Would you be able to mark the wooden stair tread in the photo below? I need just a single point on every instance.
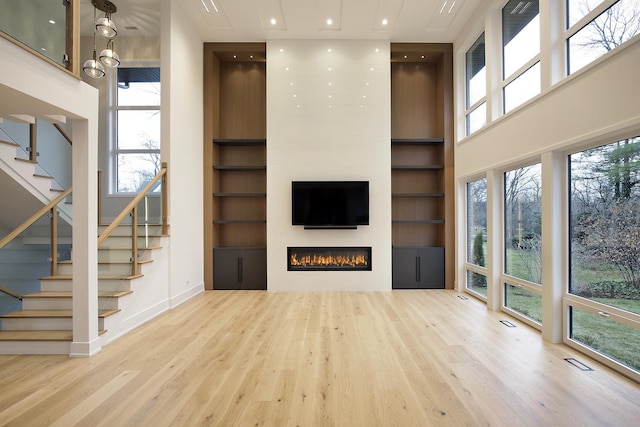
(2, 141)
(99, 277)
(26, 314)
(69, 294)
(39, 335)
(140, 261)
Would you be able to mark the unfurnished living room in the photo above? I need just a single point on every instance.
(319, 213)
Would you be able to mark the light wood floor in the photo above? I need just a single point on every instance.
(250, 358)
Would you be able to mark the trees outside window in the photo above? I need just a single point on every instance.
(605, 250)
(477, 236)
(137, 148)
(594, 27)
(523, 241)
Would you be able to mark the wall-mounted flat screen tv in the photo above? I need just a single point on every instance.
(330, 204)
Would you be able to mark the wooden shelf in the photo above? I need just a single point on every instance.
(239, 221)
(416, 141)
(239, 168)
(417, 167)
(239, 194)
(240, 142)
(418, 221)
(417, 195)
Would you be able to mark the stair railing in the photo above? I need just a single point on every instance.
(17, 280)
(132, 210)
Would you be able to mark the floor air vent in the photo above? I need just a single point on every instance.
(578, 364)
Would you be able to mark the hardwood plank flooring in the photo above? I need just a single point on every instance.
(251, 358)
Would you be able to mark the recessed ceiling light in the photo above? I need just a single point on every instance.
(281, 50)
(273, 21)
(371, 69)
(51, 21)
(235, 56)
(44, 49)
(329, 21)
(377, 50)
(250, 56)
(330, 83)
(422, 57)
(286, 69)
(329, 69)
(405, 57)
(384, 21)
(329, 50)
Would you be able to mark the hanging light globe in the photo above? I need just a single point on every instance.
(106, 27)
(109, 57)
(93, 68)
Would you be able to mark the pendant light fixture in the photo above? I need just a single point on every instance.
(108, 56)
(91, 66)
(107, 28)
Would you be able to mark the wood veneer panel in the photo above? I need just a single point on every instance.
(414, 100)
(243, 89)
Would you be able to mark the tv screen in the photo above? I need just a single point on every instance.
(329, 204)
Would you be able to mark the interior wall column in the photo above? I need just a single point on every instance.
(554, 243)
(85, 237)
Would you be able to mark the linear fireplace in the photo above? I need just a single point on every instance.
(329, 258)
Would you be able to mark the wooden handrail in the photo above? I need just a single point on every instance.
(63, 132)
(134, 203)
(11, 293)
(33, 218)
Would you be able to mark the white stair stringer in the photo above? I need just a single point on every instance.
(24, 173)
(128, 301)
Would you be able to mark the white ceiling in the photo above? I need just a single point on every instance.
(250, 20)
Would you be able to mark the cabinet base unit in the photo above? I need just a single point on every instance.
(240, 268)
(418, 268)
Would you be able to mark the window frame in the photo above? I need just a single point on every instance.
(572, 30)
(115, 150)
(506, 80)
(470, 267)
(570, 300)
(471, 108)
(508, 279)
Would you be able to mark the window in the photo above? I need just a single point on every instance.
(604, 302)
(521, 51)
(595, 27)
(523, 242)
(477, 236)
(476, 106)
(137, 151)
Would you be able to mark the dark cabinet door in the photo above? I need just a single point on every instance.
(431, 271)
(235, 269)
(417, 268)
(404, 268)
(253, 269)
(226, 269)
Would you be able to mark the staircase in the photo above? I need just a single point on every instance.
(44, 324)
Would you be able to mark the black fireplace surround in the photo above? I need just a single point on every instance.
(329, 258)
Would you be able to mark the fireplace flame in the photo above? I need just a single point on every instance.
(350, 260)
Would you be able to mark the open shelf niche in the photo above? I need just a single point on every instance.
(422, 165)
(235, 165)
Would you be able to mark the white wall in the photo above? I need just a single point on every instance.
(182, 133)
(328, 118)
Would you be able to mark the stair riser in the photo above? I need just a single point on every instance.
(64, 303)
(35, 347)
(125, 230)
(125, 242)
(119, 255)
(103, 269)
(103, 285)
(41, 324)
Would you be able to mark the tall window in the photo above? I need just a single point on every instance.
(605, 250)
(523, 241)
(476, 105)
(477, 236)
(521, 52)
(595, 27)
(137, 151)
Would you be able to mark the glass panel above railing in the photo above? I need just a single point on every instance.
(28, 256)
(54, 154)
(38, 24)
(17, 133)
